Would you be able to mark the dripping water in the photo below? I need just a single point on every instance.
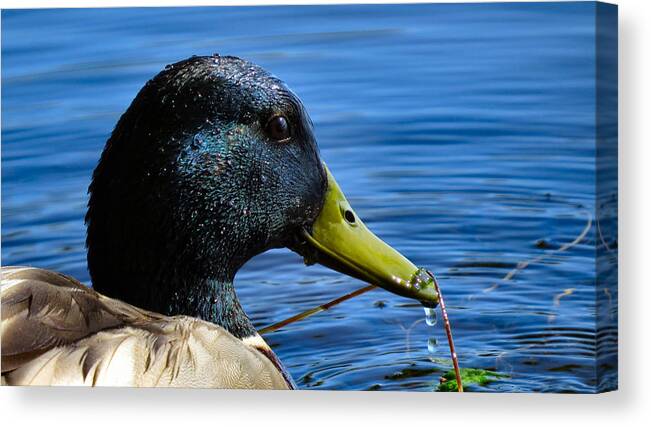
(430, 316)
(431, 319)
(432, 344)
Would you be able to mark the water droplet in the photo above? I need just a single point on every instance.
(432, 344)
(430, 316)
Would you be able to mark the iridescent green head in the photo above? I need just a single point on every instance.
(214, 162)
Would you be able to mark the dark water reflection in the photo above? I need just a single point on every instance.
(463, 135)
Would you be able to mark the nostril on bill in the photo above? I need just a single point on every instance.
(349, 216)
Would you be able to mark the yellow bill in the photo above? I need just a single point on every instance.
(340, 240)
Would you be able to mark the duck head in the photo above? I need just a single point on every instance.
(214, 162)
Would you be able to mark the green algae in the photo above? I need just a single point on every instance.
(469, 376)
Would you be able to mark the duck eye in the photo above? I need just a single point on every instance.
(278, 128)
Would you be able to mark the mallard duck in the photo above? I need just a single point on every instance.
(214, 162)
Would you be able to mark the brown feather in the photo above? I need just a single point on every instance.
(55, 330)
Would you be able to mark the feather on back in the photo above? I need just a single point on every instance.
(56, 331)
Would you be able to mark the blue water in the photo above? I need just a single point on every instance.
(462, 134)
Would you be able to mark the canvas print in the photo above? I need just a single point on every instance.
(338, 197)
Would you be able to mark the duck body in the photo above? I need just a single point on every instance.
(214, 162)
(56, 331)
